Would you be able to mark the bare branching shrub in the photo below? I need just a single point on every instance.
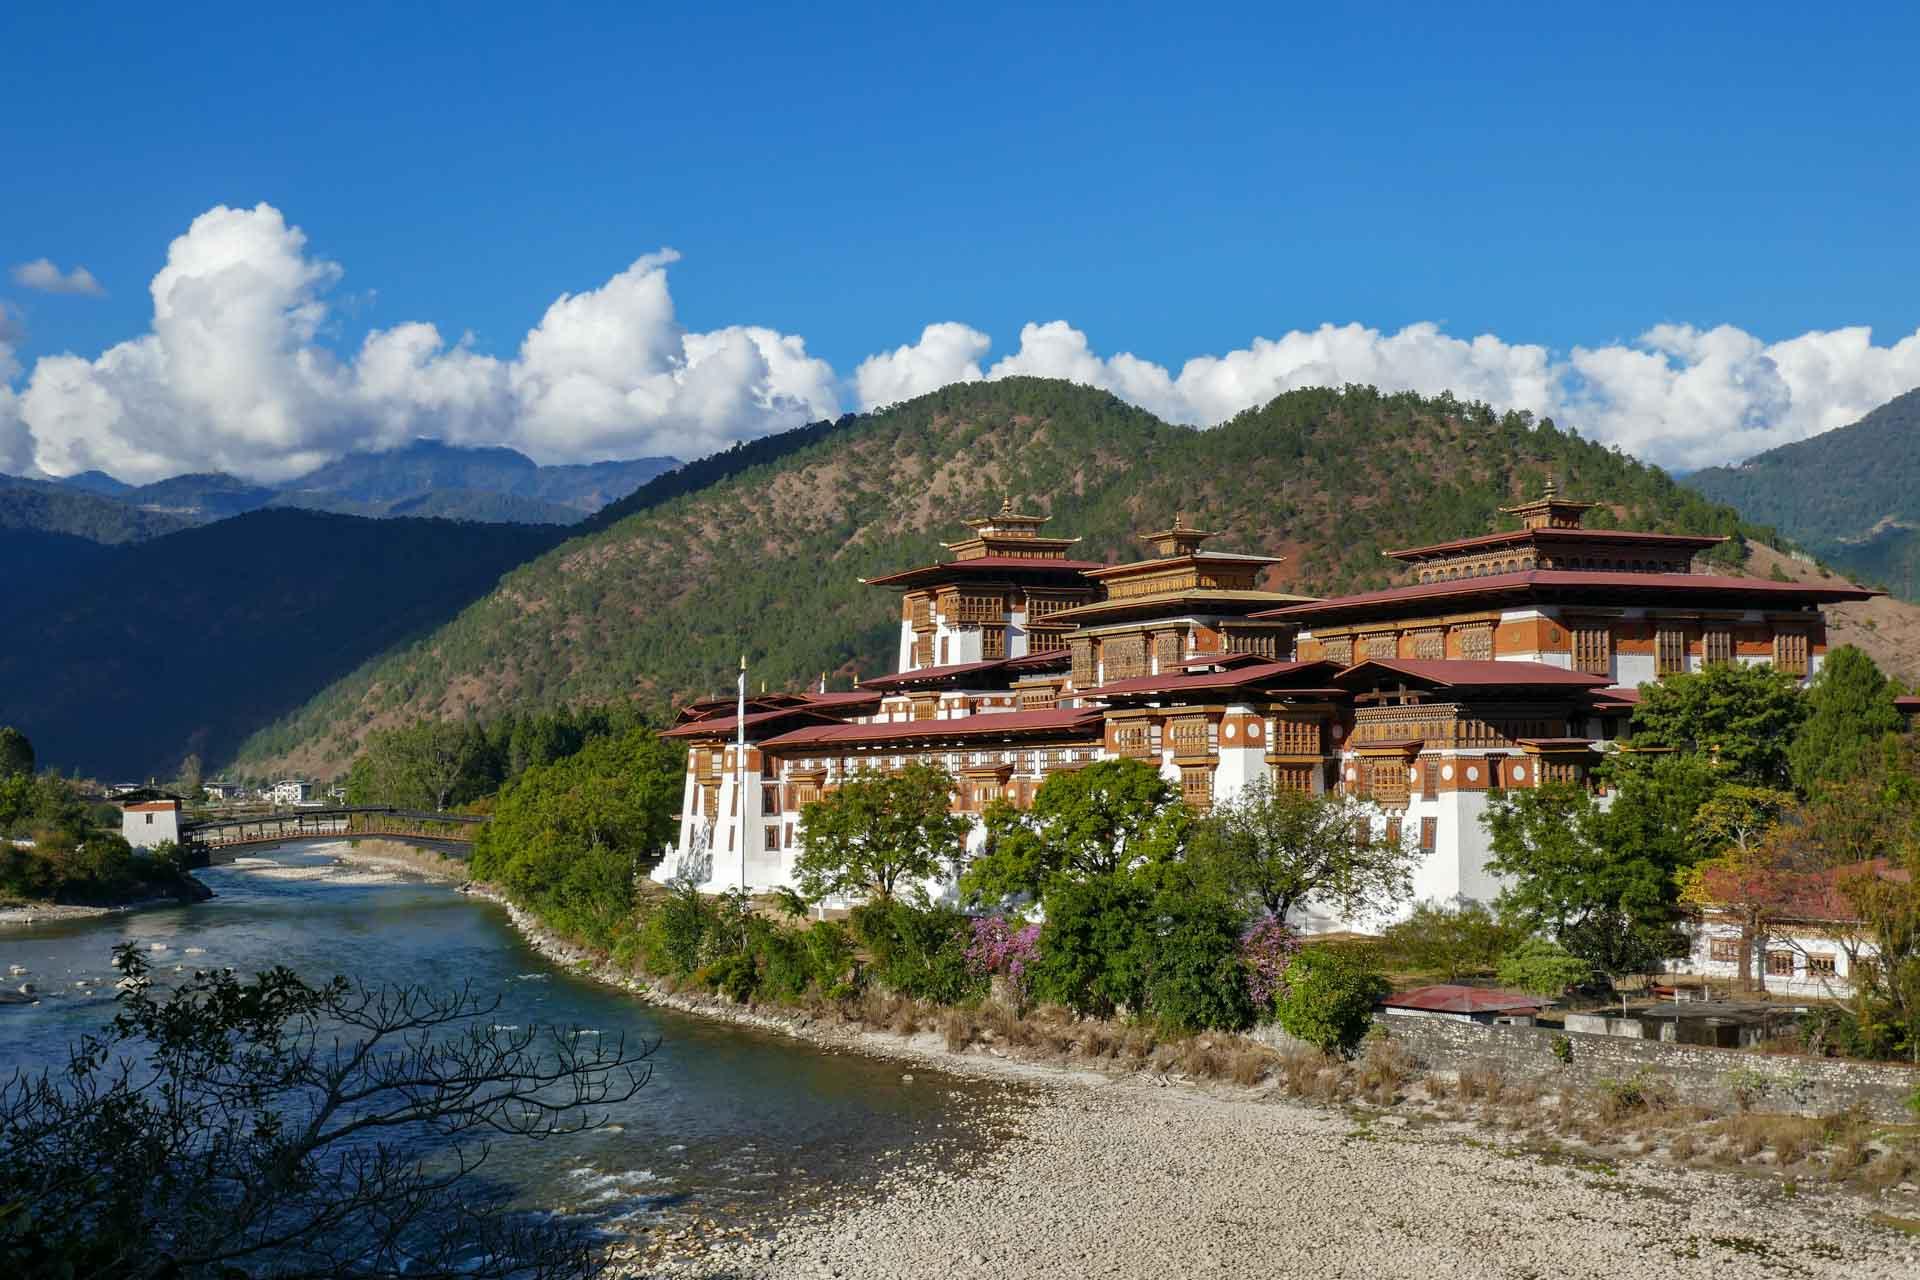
(165, 1147)
(1300, 1072)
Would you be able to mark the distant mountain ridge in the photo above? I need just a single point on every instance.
(424, 478)
(131, 656)
(762, 548)
(1851, 495)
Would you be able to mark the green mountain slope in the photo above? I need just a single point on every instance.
(1851, 495)
(44, 506)
(189, 642)
(659, 602)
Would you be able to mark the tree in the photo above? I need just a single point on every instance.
(1096, 945)
(420, 765)
(1451, 939)
(1276, 849)
(1596, 879)
(268, 1126)
(570, 836)
(1543, 968)
(1849, 712)
(1743, 716)
(16, 753)
(1329, 999)
(1111, 817)
(1750, 876)
(1888, 906)
(875, 830)
(188, 778)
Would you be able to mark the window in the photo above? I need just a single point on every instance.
(1362, 833)
(1724, 950)
(1389, 782)
(1339, 649)
(1430, 645)
(1593, 649)
(772, 837)
(1716, 645)
(1670, 651)
(769, 799)
(1123, 657)
(1429, 834)
(1790, 652)
(1823, 966)
(1476, 643)
(1780, 964)
(149, 819)
(1429, 777)
(1393, 832)
(1196, 786)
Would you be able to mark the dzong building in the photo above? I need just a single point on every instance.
(1509, 660)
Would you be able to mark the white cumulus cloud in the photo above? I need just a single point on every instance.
(946, 353)
(41, 274)
(235, 374)
(232, 375)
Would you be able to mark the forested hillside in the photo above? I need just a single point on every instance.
(186, 643)
(767, 556)
(42, 506)
(1851, 496)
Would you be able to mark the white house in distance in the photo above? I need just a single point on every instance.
(149, 818)
(291, 791)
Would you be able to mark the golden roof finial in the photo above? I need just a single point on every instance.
(1006, 505)
(1552, 488)
(1179, 519)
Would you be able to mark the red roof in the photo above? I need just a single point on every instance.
(983, 564)
(1562, 535)
(1451, 998)
(1232, 678)
(1551, 581)
(723, 726)
(925, 675)
(1068, 721)
(841, 698)
(1461, 673)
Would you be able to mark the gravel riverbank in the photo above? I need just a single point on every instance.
(1138, 1177)
(1125, 1179)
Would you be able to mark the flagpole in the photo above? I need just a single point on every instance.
(740, 768)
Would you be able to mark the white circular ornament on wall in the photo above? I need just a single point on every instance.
(1253, 731)
(1519, 773)
(1446, 771)
(1228, 731)
(1473, 773)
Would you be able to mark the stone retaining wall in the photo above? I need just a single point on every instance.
(1775, 1082)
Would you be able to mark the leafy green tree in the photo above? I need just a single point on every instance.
(1109, 818)
(249, 1142)
(569, 837)
(876, 830)
(1451, 939)
(1590, 876)
(1195, 978)
(1750, 872)
(1743, 716)
(1275, 849)
(16, 753)
(1329, 999)
(1849, 712)
(1096, 947)
(1543, 968)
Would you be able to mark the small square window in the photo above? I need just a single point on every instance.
(1780, 964)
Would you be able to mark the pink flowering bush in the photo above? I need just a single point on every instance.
(998, 946)
(1267, 948)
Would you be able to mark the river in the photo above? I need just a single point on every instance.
(735, 1125)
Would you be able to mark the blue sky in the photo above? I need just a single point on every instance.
(1170, 182)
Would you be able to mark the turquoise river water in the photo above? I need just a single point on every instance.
(734, 1125)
